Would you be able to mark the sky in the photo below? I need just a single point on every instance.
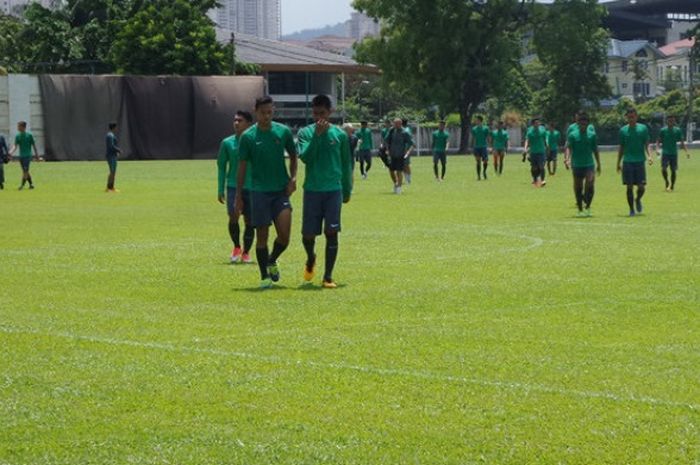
(312, 14)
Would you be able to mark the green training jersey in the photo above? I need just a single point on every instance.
(366, 135)
(572, 126)
(669, 138)
(500, 139)
(25, 142)
(227, 164)
(440, 139)
(385, 131)
(263, 150)
(553, 139)
(582, 147)
(480, 134)
(634, 141)
(537, 139)
(327, 159)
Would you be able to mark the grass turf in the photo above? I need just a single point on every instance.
(476, 322)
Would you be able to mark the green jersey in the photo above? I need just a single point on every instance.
(500, 139)
(263, 150)
(582, 147)
(572, 126)
(669, 138)
(385, 131)
(327, 159)
(537, 137)
(227, 164)
(25, 142)
(634, 142)
(440, 139)
(553, 139)
(481, 134)
(366, 135)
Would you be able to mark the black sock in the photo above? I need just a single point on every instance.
(533, 171)
(331, 255)
(262, 256)
(542, 173)
(486, 165)
(588, 195)
(235, 232)
(277, 250)
(369, 165)
(444, 168)
(640, 192)
(673, 179)
(309, 245)
(664, 173)
(435, 169)
(478, 170)
(630, 197)
(29, 180)
(500, 167)
(248, 236)
(579, 198)
(362, 167)
(24, 181)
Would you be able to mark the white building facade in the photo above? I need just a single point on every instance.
(259, 18)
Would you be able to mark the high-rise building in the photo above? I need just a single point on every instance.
(16, 7)
(360, 26)
(259, 18)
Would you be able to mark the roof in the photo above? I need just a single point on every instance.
(274, 55)
(646, 7)
(680, 46)
(628, 48)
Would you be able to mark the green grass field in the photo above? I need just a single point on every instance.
(476, 322)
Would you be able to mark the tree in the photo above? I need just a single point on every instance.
(441, 51)
(10, 54)
(572, 45)
(169, 37)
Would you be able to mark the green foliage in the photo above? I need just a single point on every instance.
(10, 52)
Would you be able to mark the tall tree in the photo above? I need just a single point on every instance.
(453, 53)
(572, 46)
(10, 53)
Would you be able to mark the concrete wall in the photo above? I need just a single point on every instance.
(20, 100)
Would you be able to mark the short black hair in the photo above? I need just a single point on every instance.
(582, 116)
(322, 100)
(630, 110)
(404, 121)
(442, 122)
(265, 100)
(536, 118)
(22, 123)
(112, 125)
(245, 115)
(363, 123)
(479, 117)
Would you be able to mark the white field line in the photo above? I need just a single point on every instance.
(395, 372)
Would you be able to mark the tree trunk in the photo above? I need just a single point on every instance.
(465, 116)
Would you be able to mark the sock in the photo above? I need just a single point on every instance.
(435, 169)
(362, 167)
(486, 165)
(478, 170)
(500, 167)
(664, 173)
(630, 197)
(29, 180)
(248, 236)
(277, 250)
(24, 181)
(262, 255)
(368, 166)
(444, 168)
(542, 173)
(309, 245)
(331, 255)
(589, 193)
(235, 232)
(640, 192)
(579, 198)
(673, 179)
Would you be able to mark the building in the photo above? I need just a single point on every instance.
(657, 21)
(632, 68)
(259, 18)
(360, 26)
(674, 70)
(16, 7)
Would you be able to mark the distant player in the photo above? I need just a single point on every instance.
(227, 167)
(553, 142)
(354, 141)
(500, 145)
(112, 155)
(25, 141)
(441, 140)
(364, 154)
(536, 147)
(325, 150)
(634, 145)
(669, 136)
(480, 145)
(582, 145)
(4, 158)
(261, 150)
(407, 164)
(399, 144)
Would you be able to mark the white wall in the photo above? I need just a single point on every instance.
(20, 100)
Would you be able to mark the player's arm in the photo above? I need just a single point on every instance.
(596, 154)
(409, 144)
(244, 154)
(36, 151)
(293, 164)
(307, 144)
(526, 148)
(685, 148)
(346, 167)
(567, 153)
(620, 151)
(221, 165)
(647, 145)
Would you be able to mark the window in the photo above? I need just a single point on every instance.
(607, 68)
(642, 54)
(641, 88)
(624, 66)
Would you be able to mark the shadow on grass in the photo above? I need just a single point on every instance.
(257, 289)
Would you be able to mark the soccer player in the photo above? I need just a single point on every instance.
(4, 158)
(669, 136)
(112, 154)
(581, 146)
(354, 141)
(399, 144)
(261, 150)
(325, 150)
(440, 142)
(407, 163)
(25, 141)
(366, 147)
(634, 144)
(553, 140)
(480, 145)
(499, 143)
(536, 146)
(227, 166)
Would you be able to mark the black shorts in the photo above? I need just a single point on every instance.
(265, 207)
(552, 155)
(231, 201)
(634, 173)
(537, 160)
(482, 152)
(583, 172)
(364, 155)
(439, 156)
(321, 209)
(669, 160)
(398, 164)
(25, 162)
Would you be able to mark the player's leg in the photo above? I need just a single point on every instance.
(534, 170)
(368, 162)
(589, 190)
(332, 205)
(443, 161)
(234, 230)
(282, 210)
(249, 231)
(664, 170)
(362, 164)
(312, 222)
(436, 159)
(485, 161)
(674, 170)
(578, 191)
(407, 169)
(2, 174)
(262, 252)
(477, 159)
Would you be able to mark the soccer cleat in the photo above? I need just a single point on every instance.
(245, 258)
(543, 183)
(398, 190)
(329, 284)
(309, 273)
(236, 255)
(638, 204)
(408, 179)
(588, 213)
(581, 214)
(632, 213)
(364, 176)
(274, 272)
(266, 283)
(20, 188)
